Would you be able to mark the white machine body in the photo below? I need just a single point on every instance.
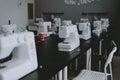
(39, 20)
(97, 27)
(100, 26)
(44, 27)
(105, 23)
(9, 29)
(66, 22)
(57, 22)
(24, 59)
(71, 36)
(86, 30)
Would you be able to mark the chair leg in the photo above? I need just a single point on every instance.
(105, 73)
(106, 78)
(100, 53)
(76, 64)
(111, 71)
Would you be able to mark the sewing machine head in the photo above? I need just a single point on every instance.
(22, 47)
(105, 23)
(45, 28)
(57, 22)
(86, 30)
(97, 24)
(100, 26)
(37, 20)
(5, 47)
(6, 29)
(66, 22)
(71, 38)
(82, 26)
(97, 27)
(9, 29)
(64, 31)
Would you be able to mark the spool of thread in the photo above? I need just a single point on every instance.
(42, 37)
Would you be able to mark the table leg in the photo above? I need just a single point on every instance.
(65, 75)
(88, 59)
(60, 75)
(76, 64)
(56, 77)
(52, 78)
(70, 66)
(100, 53)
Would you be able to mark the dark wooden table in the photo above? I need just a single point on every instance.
(50, 60)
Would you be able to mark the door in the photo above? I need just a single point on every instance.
(30, 10)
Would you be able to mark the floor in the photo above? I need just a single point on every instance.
(116, 68)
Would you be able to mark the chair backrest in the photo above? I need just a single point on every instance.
(109, 59)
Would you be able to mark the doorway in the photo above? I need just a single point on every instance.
(30, 10)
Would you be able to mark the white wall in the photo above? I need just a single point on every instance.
(13, 11)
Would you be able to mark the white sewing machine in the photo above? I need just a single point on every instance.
(37, 20)
(97, 27)
(57, 22)
(9, 29)
(66, 22)
(105, 23)
(100, 26)
(86, 30)
(22, 47)
(44, 27)
(71, 36)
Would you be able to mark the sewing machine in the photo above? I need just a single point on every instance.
(37, 20)
(71, 36)
(66, 22)
(104, 24)
(57, 22)
(22, 47)
(97, 27)
(86, 30)
(44, 27)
